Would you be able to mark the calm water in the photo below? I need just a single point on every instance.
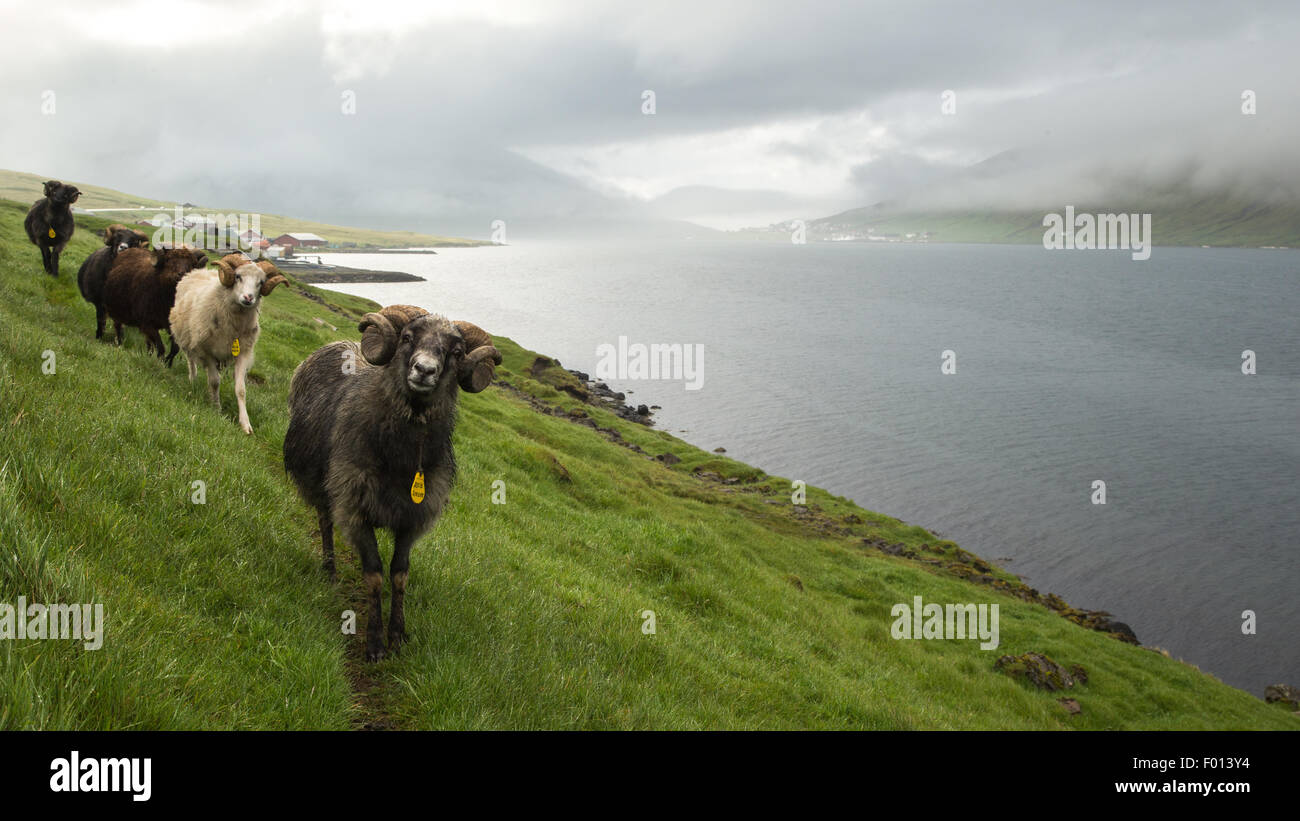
(822, 363)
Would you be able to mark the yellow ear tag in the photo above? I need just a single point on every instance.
(52, 234)
(234, 348)
(417, 487)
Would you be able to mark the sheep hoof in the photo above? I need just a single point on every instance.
(374, 651)
(328, 567)
(247, 429)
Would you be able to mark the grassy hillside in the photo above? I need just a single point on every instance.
(1186, 219)
(23, 187)
(522, 615)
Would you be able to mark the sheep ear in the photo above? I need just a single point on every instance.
(269, 285)
(50, 185)
(378, 339)
(481, 358)
(225, 273)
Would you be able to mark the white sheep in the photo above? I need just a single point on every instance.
(214, 320)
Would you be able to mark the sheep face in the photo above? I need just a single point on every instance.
(433, 348)
(179, 261)
(61, 193)
(247, 281)
(429, 352)
(119, 238)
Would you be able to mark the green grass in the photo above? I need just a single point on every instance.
(25, 187)
(522, 615)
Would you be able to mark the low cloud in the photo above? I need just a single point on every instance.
(464, 115)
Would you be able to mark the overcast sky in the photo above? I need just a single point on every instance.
(532, 112)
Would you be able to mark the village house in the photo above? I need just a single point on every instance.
(299, 240)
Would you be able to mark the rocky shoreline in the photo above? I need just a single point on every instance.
(322, 274)
(966, 565)
(615, 401)
(582, 387)
(956, 562)
(942, 557)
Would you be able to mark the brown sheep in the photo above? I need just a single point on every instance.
(141, 288)
(90, 279)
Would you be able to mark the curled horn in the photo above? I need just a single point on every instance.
(379, 331)
(273, 276)
(111, 230)
(481, 358)
(226, 268)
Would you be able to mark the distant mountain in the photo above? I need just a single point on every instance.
(1203, 220)
(1182, 213)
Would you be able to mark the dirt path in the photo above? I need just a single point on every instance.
(370, 689)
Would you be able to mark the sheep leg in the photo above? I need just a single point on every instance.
(214, 383)
(54, 261)
(100, 315)
(242, 363)
(117, 332)
(398, 571)
(45, 257)
(372, 568)
(327, 542)
(189, 360)
(153, 338)
(171, 354)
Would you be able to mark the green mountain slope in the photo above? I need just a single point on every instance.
(24, 187)
(527, 614)
(1181, 218)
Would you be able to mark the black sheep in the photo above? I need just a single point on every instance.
(141, 288)
(367, 420)
(94, 271)
(49, 222)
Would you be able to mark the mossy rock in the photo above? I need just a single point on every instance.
(1283, 694)
(1041, 671)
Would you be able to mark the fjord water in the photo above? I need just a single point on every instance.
(822, 363)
